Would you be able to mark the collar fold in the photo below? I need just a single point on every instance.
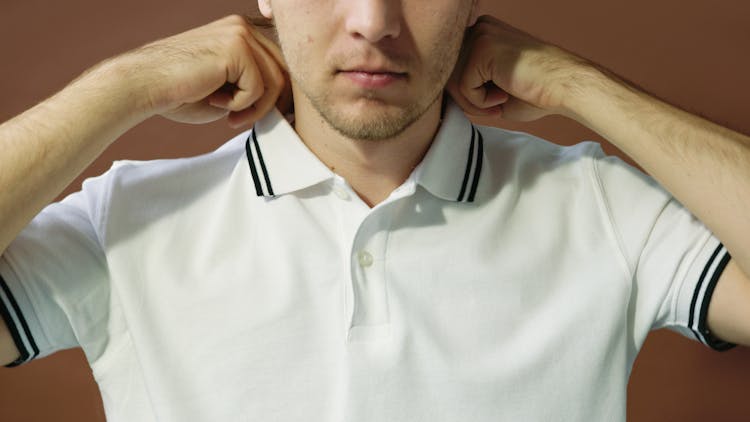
(452, 167)
(281, 163)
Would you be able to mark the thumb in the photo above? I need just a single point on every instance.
(483, 101)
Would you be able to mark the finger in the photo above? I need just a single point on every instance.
(196, 113)
(271, 48)
(495, 97)
(266, 102)
(284, 101)
(478, 91)
(470, 108)
(222, 96)
(246, 117)
(273, 82)
(475, 82)
(271, 72)
(247, 78)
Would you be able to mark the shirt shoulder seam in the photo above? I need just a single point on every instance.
(606, 210)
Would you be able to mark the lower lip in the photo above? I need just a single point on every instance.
(374, 80)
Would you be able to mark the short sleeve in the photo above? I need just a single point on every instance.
(54, 286)
(674, 260)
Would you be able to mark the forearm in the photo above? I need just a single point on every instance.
(46, 147)
(705, 166)
(183, 77)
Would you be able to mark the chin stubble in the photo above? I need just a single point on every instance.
(385, 122)
(379, 125)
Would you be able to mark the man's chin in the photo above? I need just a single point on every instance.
(373, 123)
(366, 116)
(370, 129)
(368, 104)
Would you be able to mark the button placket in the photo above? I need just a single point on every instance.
(370, 313)
(351, 212)
(366, 231)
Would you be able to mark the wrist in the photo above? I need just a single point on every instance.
(595, 92)
(582, 86)
(117, 90)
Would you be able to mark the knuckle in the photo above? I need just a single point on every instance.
(254, 95)
(237, 107)
(235, 41)
(240, 103)
(236, 19)
(236, 33)
(464, 88)
(235, 29)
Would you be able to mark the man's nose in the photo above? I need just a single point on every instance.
(374, 20)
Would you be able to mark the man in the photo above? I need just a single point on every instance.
(379, 258)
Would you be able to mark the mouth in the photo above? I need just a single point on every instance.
(372, 78)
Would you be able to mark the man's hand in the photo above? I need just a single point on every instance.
(223, 68)
(505, 72)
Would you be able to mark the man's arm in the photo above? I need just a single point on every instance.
(223, 68)
(703, 165)
(201, 75)
(8, 350)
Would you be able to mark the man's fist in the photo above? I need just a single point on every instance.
(504, 71)
(223, 68)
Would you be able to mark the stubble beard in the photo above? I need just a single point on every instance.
(385, 121)
(378, 124)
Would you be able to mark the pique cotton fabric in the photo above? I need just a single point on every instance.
(507, 279)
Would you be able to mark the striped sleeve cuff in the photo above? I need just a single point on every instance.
(693, 302)
(18, 325)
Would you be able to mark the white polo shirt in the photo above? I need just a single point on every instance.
(507, 279)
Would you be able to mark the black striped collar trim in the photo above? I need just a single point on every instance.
(278, 160)
(263, 185)
(452, 168)
(473, 167)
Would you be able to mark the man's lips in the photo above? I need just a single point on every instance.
(375, 78)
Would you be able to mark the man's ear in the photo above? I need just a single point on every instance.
(265, 8)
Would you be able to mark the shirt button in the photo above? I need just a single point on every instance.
(341, 193)
(364, 258)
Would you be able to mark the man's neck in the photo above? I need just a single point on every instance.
(374, 169)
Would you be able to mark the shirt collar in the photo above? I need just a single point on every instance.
(280, 163)
(452, 167)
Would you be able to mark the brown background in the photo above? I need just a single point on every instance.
(692, 53)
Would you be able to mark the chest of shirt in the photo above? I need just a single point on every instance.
(308, 295)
